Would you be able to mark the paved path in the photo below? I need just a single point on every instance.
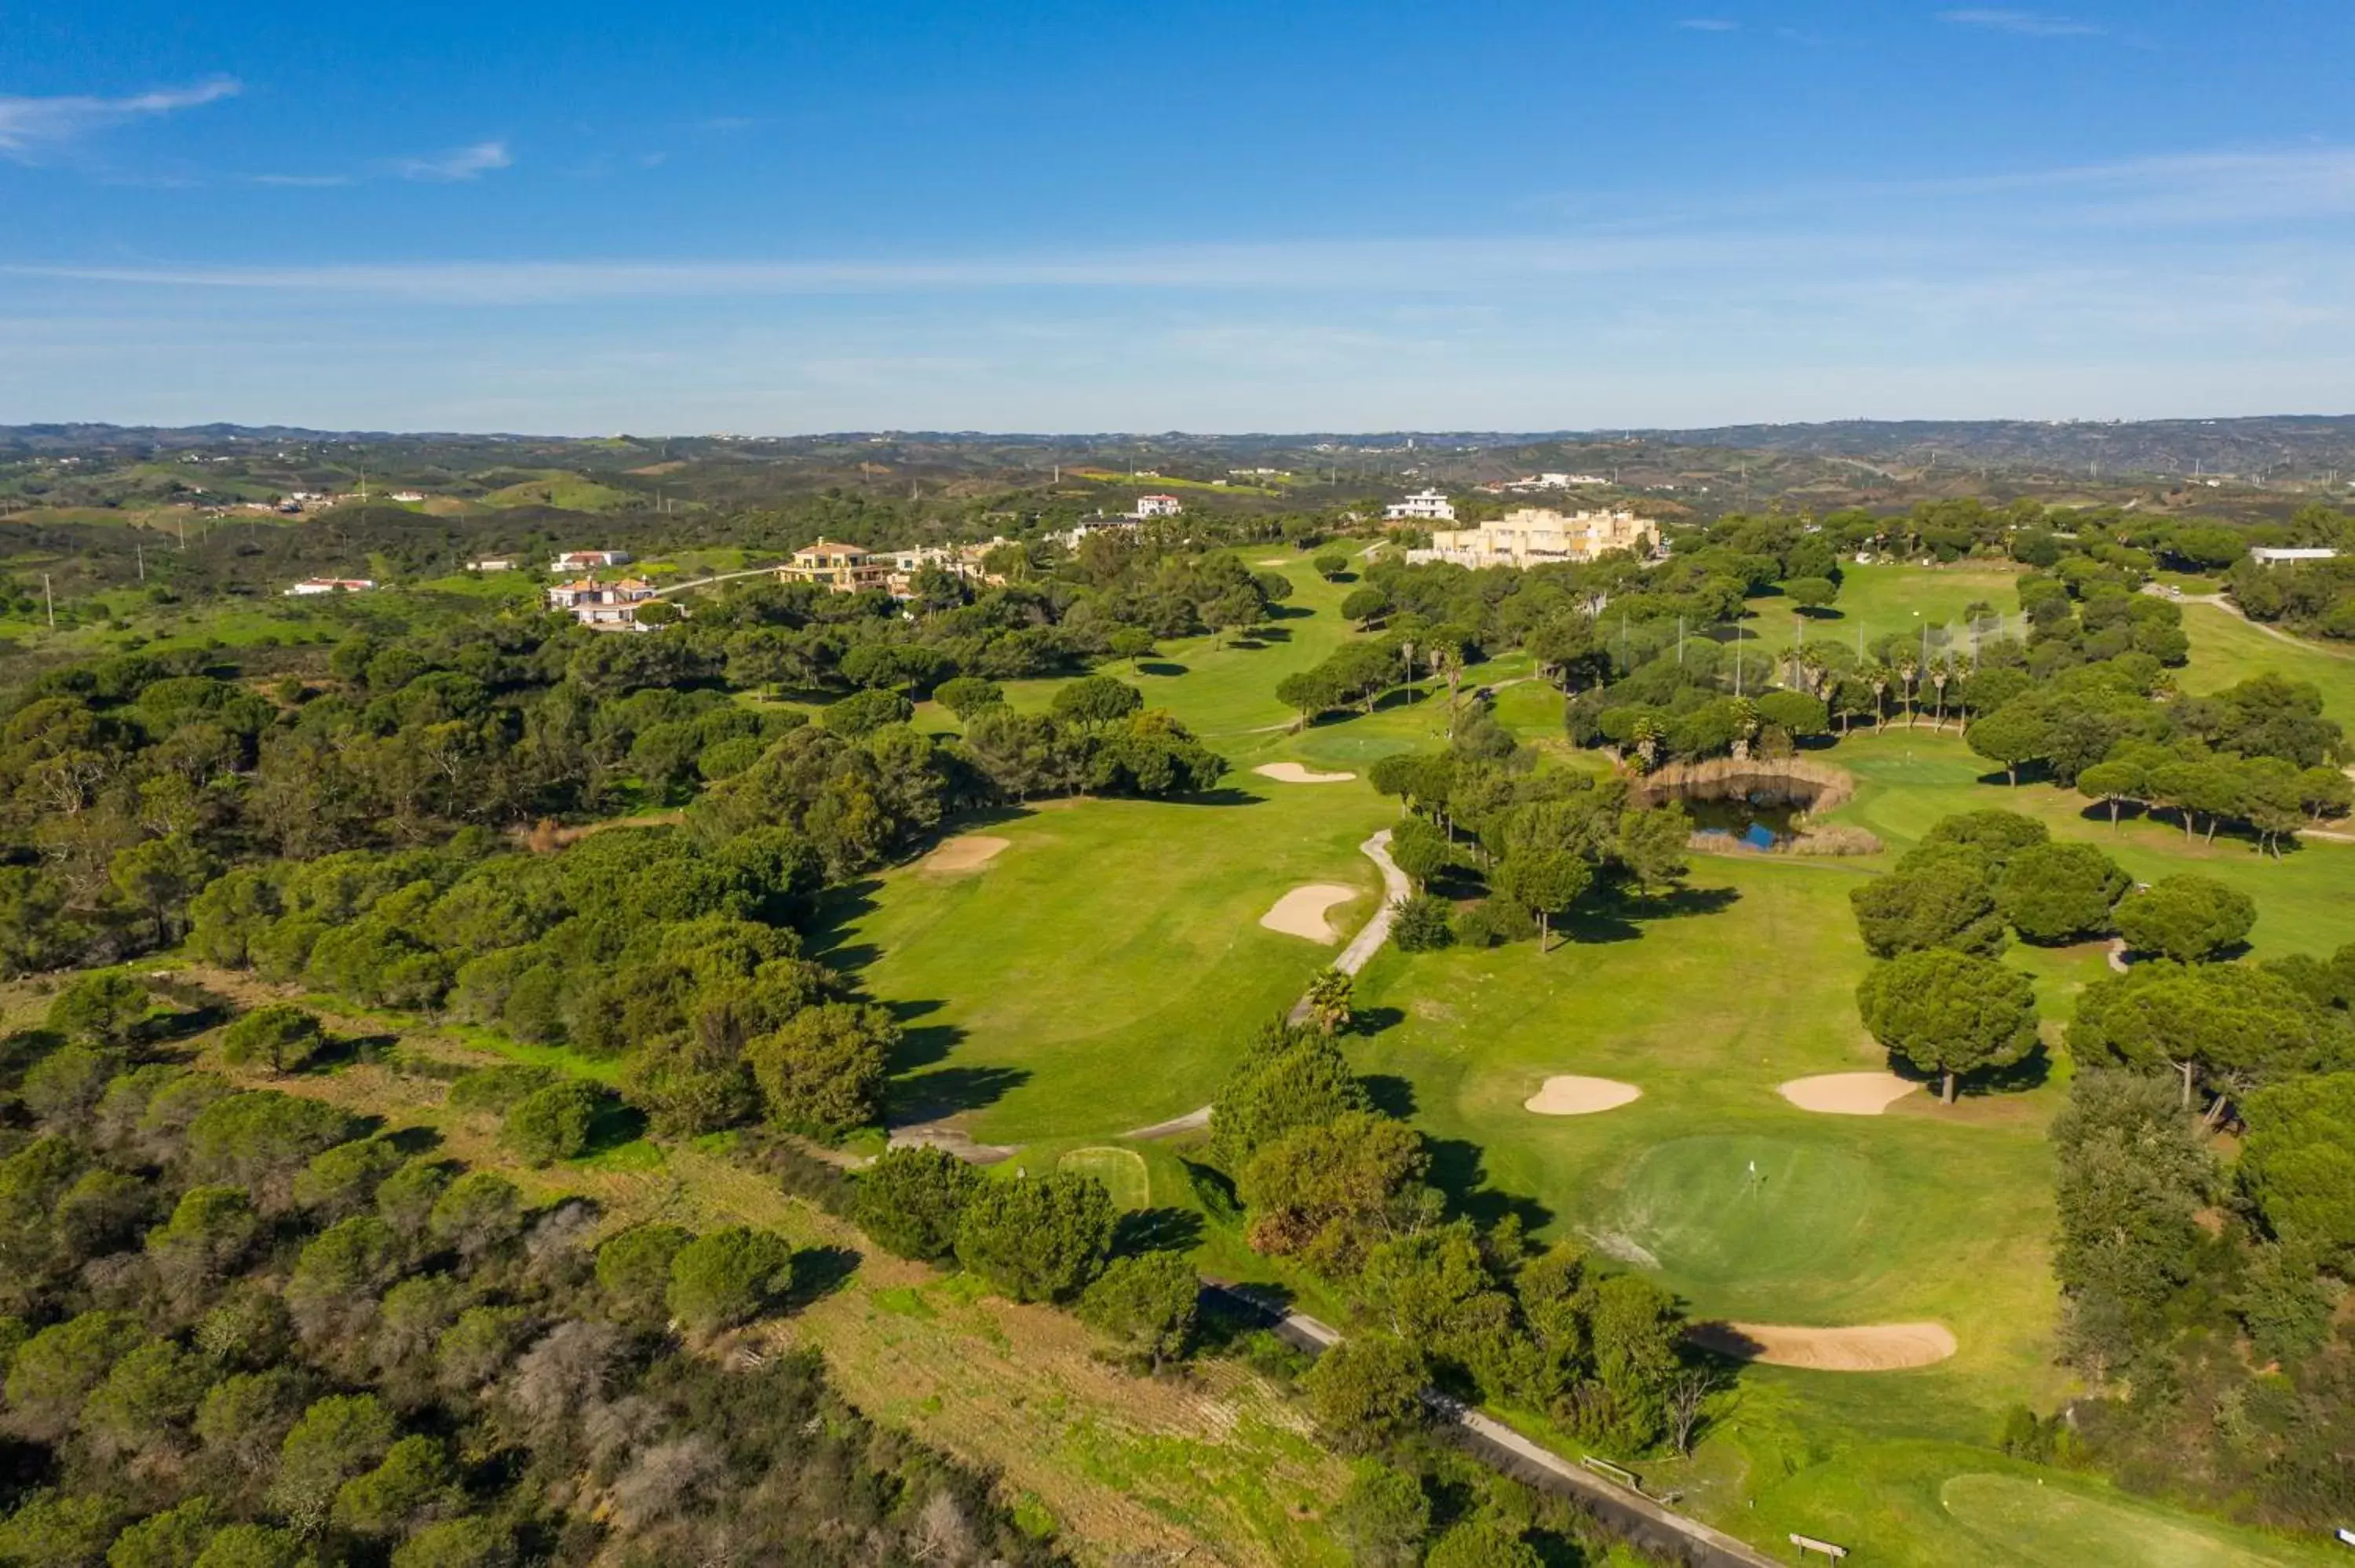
(1376, 931)
(1652, 1526)
(2234, 610)
(721, 578)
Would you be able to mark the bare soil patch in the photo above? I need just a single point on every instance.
(1294, 773)
(1847, 1094)
(1301, 912)
(969, 852)
(1569, 1095)
(1870, 1347)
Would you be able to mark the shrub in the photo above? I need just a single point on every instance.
(724, 1278)
(551, 1124)
(1422, 925)
(281, 1036)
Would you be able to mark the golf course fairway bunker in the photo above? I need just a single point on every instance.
(1301, 912)
(1569, 1095)
(2062, 1527)
(1743, 1221)
(970, 851)
(1869, 1347)
(1294, 773)
(1847, 1094)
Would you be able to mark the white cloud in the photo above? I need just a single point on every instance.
(29, 126)
(302, 182)
(2027, 24)
(459, 163)
(1709, 25)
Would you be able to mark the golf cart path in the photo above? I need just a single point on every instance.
(1362, 947)
(2224, 603)
(1650, 1525)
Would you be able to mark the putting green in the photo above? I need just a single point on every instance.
(1122, 1171)
(1721, 1212)
(2051, 1526)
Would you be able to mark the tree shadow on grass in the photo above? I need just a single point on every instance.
(1457, 1170)
(1161, 667)
(1224, 795)
(2030, 1072)
(818, 1273)
(1392, 1095)
(950, 1091)
(613, 1124)
(827, 938)
(1373, 1021)
(1156, 1229)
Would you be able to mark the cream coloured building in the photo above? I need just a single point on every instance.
(1533, 536)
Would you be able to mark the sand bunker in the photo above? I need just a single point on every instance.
(1847, 1094)
(970, 853)
(1873, 1347)
(1293, 773)
(1572, 1095)
(1301, 912)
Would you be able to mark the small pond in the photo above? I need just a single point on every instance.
(1762, 811)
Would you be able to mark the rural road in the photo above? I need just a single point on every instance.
(1651, 1526)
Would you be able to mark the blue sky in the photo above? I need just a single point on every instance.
(1041, 216)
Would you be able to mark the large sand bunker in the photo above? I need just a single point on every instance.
(970, 853)
(1847, 1094)
(1572, 1095)
(1871, 1347)
(1301, 912)
(1293, 773)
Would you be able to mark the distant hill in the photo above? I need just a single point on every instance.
(2287, 447)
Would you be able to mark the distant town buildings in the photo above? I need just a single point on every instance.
(1070, 538)
(1531, 536)
(2272, 555)
(608, 607)
(842, 568)
(332, 584)
(492, 563)
(1423, 507)
(957, 560)
(409, 497)
(589, 560)
(1157, 506)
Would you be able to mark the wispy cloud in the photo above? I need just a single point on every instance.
(300, 182)
(1709, 25)
(2026, 24)
(458, 164)
(32, 126)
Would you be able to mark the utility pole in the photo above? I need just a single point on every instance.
(140, 551)
(51, 599)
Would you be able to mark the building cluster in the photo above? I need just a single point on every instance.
(607, 607)
(1531, 483)
(2273, 554)
(850, 569)
(589, 560)
(1534, 536)
(310, 586)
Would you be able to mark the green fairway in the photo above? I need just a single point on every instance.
(1122, 1171)
(1879, 600)
(2227, 649)
(1943, 1505)
(1104, 970)
(1224, 687)
(1907, 780)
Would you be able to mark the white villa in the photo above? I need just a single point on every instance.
(1423, 507)
(2274, 556)
(607, 607)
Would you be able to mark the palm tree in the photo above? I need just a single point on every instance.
(1329, 1002)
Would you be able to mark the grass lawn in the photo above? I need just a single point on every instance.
(1907, 780)
(1104, 970)
(1940, 1505)
(1222, 688)
(1884, 599)
(1922, 1213)
(2227, 649)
